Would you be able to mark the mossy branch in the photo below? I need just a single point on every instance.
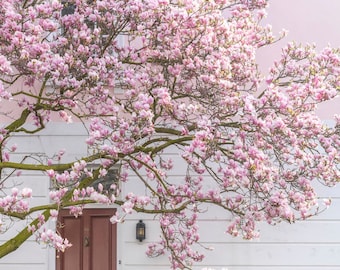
(42, 167)
(18, 122)
(14, 243)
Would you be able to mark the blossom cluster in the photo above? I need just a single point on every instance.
(17, 201)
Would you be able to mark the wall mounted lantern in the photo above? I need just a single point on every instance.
(140, 231)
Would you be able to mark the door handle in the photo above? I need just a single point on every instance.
(86, 241)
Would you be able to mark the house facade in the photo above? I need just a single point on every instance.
(313, 244)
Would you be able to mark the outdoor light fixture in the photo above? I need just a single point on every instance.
(140, 231)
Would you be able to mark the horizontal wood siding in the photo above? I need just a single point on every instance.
(312, 244)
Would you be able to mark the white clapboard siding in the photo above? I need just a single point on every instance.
(313, 244)
(57, 136)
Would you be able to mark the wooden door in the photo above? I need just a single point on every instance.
(93, 238)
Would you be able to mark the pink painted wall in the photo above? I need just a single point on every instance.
(307, 21)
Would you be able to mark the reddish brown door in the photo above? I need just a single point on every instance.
(93, 238)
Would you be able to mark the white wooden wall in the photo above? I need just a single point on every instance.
(312, 245)
(31, 256)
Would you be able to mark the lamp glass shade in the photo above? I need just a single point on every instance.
(140, 231)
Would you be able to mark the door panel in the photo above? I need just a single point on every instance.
(93, 239)
(72, 258)
(100, 257)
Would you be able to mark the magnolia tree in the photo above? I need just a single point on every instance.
(186, 77)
